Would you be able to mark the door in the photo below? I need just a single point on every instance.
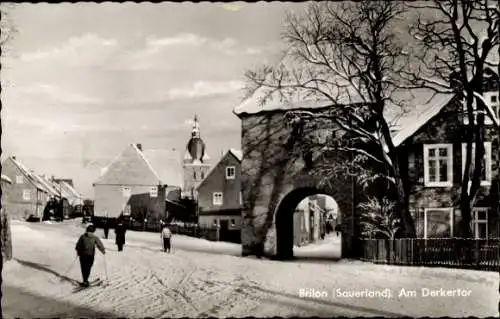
(224, 229)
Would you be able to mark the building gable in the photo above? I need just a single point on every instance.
(13, 168)
(129, 168)
(229, 159)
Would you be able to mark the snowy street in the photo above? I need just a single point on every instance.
(202, 279)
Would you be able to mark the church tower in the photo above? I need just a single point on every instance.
(196, 162)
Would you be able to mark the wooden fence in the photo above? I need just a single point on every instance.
(191, 230)
(483, 254)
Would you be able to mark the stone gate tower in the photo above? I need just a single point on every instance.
(196, 162)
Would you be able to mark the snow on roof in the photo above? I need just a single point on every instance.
(166, 164)
(29, 175)
(253, 105)
(5, 178)
(411, 122)
(421, 102)
(237, 153)
(47, 185)
(71, 189)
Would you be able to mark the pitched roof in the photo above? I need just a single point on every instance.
(419, 106)
(70, 189)
(150, 167)
(411, 122)
(237, 153)
(47, 184)
(166, 164)
(31, 176)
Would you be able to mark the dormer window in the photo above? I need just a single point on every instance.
(230, 172)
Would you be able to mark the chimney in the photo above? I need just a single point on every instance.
(139, 146)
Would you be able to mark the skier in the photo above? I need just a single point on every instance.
(120, 235)
(106, 228)
(166, 234)
(85, 248)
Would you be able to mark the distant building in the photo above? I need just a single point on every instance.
(310, 220)
(134, 175)
(219, 195)
(196, 162)
(27, 196)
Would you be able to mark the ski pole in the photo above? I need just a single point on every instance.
(69, 268)
(106, 269)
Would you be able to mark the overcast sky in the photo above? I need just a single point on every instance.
(82, 81)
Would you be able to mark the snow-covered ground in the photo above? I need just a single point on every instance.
(202, 279)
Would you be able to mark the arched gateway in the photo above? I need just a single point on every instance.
(277, 173)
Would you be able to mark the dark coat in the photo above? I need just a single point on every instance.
(120, 234)
(86, 245)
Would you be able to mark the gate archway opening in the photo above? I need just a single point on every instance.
(307, 225)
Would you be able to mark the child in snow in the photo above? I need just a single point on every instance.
(166, 234)
(85, 248)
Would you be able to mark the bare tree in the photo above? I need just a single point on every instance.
(456, 42)
(349, 55)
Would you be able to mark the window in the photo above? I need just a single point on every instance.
(241, 198)
(230, 172)
(215, 222)
(479, 223)
(194, 175)
(19, 179)
(233, 222)
(485, 164)
(126, 191)
(438, 165)
(489, 97)
(492, 99)
(26, 194)
(217, 198)
(438, 223)
(153, 192)
(202, 175)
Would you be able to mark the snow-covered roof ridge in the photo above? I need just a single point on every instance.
(147, 161)
(47, 185)
(28, 174)
(71, 189)
(411, 122)
(237, 153)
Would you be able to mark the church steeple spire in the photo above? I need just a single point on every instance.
(195, 132)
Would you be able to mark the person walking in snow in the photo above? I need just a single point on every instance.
(85, 249)
(106, 228)
(120, 235)
(166, 234)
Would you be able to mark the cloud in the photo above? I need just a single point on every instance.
(88, 49)
(189, 39)
(56, 93)
(203, 88)
(226, 45)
